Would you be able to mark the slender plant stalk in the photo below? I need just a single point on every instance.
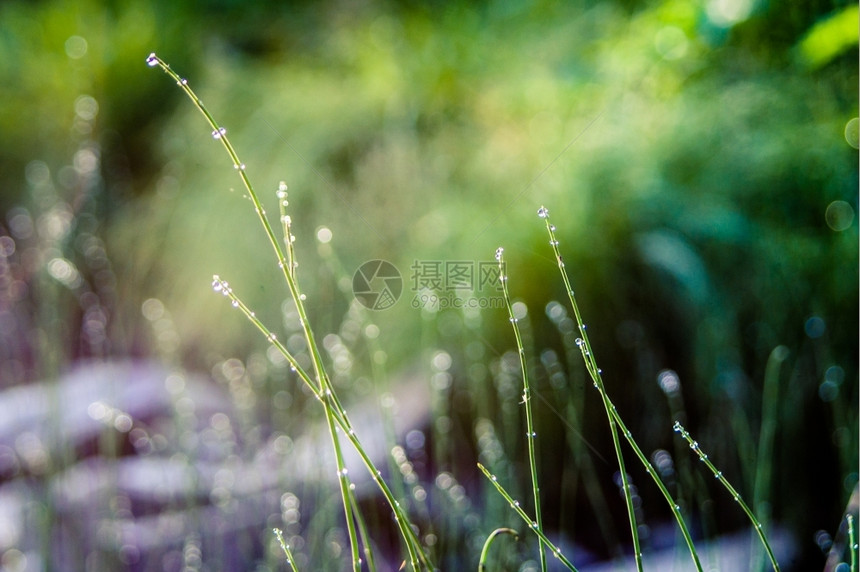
(485, 552)
(757, 526)
(286, 548)
(412, 543)
(769, 417)
(363, 532)
(531, 435)
(287, 265)
(616, 424)
(576, 441)
(515, 504)
(595, 372)
(346, 491)
(852, 542)
(320, 383)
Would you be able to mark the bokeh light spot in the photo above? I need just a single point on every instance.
(815, 327)
(324, 234)
(839, 215)
(76, 47)
(852, 132)
(727, 13)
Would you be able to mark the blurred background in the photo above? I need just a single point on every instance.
(698, 158)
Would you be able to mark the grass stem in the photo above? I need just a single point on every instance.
(757, 526)
(531, 435)
(286, 548)
(556, 551)
(320, 384)
(616, 424)
(485, 552)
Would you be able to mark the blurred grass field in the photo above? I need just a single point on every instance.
(699, 159)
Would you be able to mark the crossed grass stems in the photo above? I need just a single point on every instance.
(338, 423)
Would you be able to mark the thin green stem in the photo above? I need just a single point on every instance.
(694, 445)
(346, 492)
(485, 552)
(285, 548)
(365, 535)
(413, 545)
(764, 457)
(321, 385)
(615, 422)
(852, 542)
(595, 373)
(556, 551)
(531, 435)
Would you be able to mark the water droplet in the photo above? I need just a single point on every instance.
(302, 297)
(499, 252)
(182, 81)
(239, 167)
(542, 212)
(552, 227)
(216, 285)
(235, 303)
(677, 427)
(152, 60)
(272, 337)
(219, 133)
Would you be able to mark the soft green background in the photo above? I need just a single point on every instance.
(698, 158)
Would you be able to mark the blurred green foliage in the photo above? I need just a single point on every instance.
(697, 157)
